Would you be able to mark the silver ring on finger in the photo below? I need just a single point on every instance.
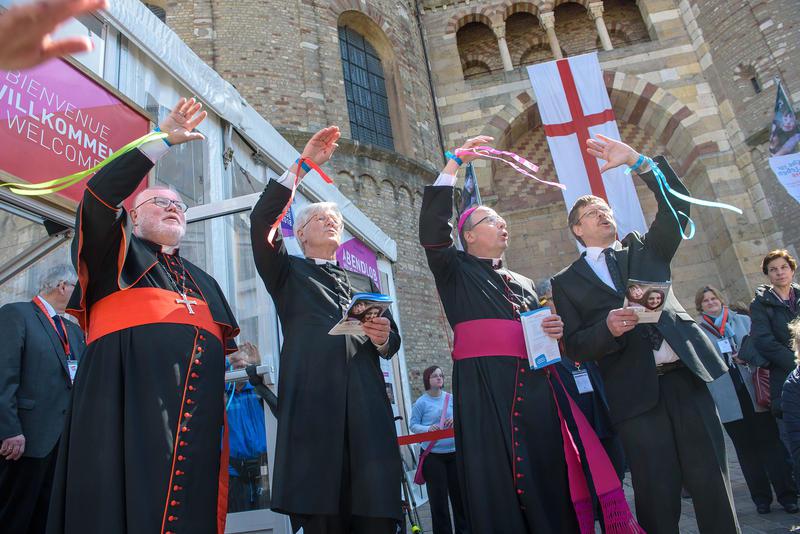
(624, 323)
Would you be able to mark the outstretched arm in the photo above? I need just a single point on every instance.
(664, 235)
(435, 230)
(26, 32)
(272, 259)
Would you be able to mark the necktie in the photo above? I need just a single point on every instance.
(613, 269)
(60, 327)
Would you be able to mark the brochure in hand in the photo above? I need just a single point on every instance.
(646, 299)
(362, 308)
(542, 349)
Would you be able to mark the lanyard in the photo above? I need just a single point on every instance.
(64, 340)
(721, 329)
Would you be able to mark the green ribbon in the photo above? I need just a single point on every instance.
(53, 186)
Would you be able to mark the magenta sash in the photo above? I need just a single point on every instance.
(488, 337)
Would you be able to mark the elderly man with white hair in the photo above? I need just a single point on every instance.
(38, 359)
(337, 464)
(142, 450)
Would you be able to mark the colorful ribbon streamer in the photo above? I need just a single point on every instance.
(273, 231)
(501, 155)
(664, 187)
(53, 186)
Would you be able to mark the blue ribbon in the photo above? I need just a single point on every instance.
(664, 187)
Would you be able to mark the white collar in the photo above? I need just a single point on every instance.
(47, 306)
(319, 261)
(594, 253)
(497, 263)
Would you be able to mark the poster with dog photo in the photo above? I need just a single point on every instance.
(646, 299)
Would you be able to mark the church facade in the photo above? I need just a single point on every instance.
(406, 80)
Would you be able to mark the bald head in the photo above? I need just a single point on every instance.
(162, 225)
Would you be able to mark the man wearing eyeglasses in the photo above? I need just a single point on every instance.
(509, 450)
(337, 463)
(142, 448)
(655, 375)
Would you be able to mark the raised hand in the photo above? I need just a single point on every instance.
(481, 140)
(182, 120)
(322, 144)
(614, 152)
(25, 32)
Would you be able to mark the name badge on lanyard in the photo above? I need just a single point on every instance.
(582, 381)
(724, 345)
(72, 367)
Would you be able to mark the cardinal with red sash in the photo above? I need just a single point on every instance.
(143, 448)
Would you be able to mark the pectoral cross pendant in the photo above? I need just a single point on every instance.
(186, 302)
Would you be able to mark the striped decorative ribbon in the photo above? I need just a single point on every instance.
(515, 161)
(53, 186)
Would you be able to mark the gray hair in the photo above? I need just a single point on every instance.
(543, 286)
(61, 272)
(794, 331)
(312, 210)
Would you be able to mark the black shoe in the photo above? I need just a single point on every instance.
(763, 508)
(791, 508)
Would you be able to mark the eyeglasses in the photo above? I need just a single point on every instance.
(492, 220)
(593, 214)
(163, 202)
(323, 219)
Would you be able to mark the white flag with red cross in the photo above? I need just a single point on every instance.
(574, 106)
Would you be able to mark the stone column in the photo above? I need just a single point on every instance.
(505, 55)
(596, 14)
(548, 22)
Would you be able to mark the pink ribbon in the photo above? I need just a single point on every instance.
(501, 155)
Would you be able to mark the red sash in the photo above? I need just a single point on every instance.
(488, 337)
(146, 305)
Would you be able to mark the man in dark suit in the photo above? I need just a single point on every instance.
(38, 358)
(655, 375)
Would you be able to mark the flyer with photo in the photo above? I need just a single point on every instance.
(542, 349)
(362, 308)
(646, 299)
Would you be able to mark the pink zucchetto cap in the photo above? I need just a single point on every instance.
(464, 216)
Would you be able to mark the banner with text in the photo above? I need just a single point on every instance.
(55, 120)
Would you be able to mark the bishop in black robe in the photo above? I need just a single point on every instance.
(509, 448)
(143, 450)
(337, 462)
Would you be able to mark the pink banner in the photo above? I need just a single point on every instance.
(357, 257)
(55, 120)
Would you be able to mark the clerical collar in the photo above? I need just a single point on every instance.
(155, 247)
(595, 253)
(497, 263)
(320, 261)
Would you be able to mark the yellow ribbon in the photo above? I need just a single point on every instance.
(53, 186)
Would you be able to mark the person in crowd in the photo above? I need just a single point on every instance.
(774, 305)
(433, 410)
(791, 400)
(752, 429)
(38, 360)
(249, 487)
(336, 439)
(26, 32)
(654, 374)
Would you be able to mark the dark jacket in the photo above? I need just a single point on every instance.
(626, 362)
(35, 387)
(770, 333)
(791, 412)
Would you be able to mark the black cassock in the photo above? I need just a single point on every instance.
(509, 485)
(336, 451)
(142, 448)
